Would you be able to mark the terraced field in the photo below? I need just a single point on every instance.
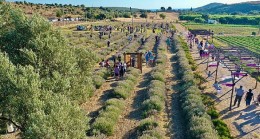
(237, 30)
(250, 43)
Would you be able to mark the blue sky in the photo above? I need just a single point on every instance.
(144, 4)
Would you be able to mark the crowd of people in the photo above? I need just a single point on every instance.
(203, 48)
(118, 69)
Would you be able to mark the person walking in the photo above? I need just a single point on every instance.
(249, 96)
(147, 56)
(116, 72)
(239, 95)
(114, 59)
(108, 43)
(151, 59)
(107, 64)
(200, 48)
(238, 70)
(201, 43)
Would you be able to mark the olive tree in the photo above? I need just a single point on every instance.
(42, 79)
(163, 16)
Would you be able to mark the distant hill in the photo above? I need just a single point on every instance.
(209, 6)
(244, 7)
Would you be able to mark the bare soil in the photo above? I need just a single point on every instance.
(173, 106)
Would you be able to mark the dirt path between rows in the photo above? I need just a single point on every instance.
(96, 102)
(173, 106)
(126, 127)
(243, 122)
(133, 115)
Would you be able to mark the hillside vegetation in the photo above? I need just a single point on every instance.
(244, 7)
(56, 10)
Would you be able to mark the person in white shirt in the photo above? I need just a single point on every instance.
(200, 50)
(206, 47)
(239, 94)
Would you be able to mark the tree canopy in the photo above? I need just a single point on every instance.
(42, 79)
(169, 8)
(162, 8)
(163, 16)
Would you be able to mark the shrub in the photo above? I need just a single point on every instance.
(108, 117)
(2, 127)
(115, 102)
(127, 84)
(158, 76)
(152, 134)
(121, 92)
(146, 124)
(198, 121)
(98, 81)
(157, 91)
(103, 72)
(133, 71)
(131, 78)
(159, 68)
(103, 125)
(201, 127)
(213, 114)
(153, 103)
(157, 84)
(222, 129)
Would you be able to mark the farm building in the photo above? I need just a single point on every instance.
(210, 21)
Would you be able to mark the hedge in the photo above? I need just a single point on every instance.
(109, 116)
(199, 124)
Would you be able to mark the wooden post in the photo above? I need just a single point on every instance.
(216, 76)
(125, 57)
(212, 35)
(207, 63)
(208, 36)
(218, 58)
(233, 86)
(258, 72)
(139, 62)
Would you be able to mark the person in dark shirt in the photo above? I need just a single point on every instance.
(249, 96)
(108, 43)
(133, 62)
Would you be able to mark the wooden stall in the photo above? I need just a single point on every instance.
(133, 60)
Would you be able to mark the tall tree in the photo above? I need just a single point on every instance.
(162, 8)
(59, 13)
(205, 17)
(42, 79)
(169, 8)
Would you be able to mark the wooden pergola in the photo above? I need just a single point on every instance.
(230, 58)
(200, 32)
